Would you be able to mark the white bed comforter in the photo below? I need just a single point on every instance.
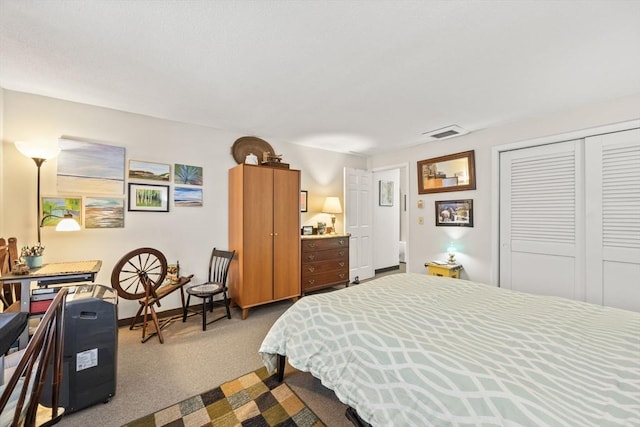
(417, 350)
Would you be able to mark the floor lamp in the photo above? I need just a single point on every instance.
(40, 152)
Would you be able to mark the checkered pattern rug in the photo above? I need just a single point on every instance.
(253, 400)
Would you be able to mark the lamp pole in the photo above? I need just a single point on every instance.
(39, 162)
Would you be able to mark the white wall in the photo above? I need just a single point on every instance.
(184, 234)
(427, 241)
(386, 222)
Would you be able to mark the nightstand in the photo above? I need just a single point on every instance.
(443, 270)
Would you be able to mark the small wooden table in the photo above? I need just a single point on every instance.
(443, 270)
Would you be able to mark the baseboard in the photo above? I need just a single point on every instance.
(161, 315)
(384, 270)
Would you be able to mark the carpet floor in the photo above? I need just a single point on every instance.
(256, 399)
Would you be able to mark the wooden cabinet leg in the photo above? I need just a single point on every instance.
(245, 312)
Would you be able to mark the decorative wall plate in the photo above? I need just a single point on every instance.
(250, 144)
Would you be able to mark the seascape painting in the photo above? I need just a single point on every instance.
(150, 171)
(187, 196)
(88, 167)
(104, 212)
(55, 208)
(187, 174)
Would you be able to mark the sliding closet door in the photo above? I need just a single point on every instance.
(613, 219)
(542, 220)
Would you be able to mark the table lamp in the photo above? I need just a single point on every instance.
(332, 206)
(451, 249)
(40, 152)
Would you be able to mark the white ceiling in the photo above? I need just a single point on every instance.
(351, 76)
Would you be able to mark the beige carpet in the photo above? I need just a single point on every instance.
(153, 376)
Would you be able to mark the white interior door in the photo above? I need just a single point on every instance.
(542, 220)
(613, 219)
(358, 219)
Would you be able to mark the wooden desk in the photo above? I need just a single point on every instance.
(50, 274)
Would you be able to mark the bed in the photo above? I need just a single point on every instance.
(417, 350)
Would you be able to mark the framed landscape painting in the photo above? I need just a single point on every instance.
(454, 213)
(150, 171)
(104, 212)
(148, 198)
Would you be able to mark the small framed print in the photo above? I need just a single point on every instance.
(307, 230)
(303, 201)
(148, 198)
(454, 213)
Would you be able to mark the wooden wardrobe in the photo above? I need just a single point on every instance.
(264, 230)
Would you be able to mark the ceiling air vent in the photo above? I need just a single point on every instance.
(444, 133)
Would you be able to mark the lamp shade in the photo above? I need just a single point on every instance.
(451, 249)
(332, 205)
(68, 224)
(40, 149)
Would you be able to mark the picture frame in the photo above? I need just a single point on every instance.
(187, 174)
(149, 171)
(307, 230)
(454, 213)
(54, 208)
(385, 193)
(454, 172)
(187, 196)
(148, 198)
(303, 201)
(104, 212)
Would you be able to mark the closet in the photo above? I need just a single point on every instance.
(570, 219)
(264, 230)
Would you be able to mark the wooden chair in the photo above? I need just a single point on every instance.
(140, 275)
(216, 284)
(19, 402)
(9, 292)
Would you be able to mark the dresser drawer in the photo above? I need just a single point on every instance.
(319, 280)
(325, 255)
(311, 245)
(323, 266)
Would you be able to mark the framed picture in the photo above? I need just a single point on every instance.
(454, 213)
(303, 201)
(55, 208)
(150, 171)
(148, 198)
(454, 172)
(385, 193)
(187, 174)
(89, 167)
(104, 212)
(307, 230)
(187, 196)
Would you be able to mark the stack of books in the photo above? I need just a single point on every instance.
(41, 299)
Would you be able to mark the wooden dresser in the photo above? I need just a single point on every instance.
(325, 261)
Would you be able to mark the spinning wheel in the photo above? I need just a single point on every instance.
(139, 275)
(135, 269)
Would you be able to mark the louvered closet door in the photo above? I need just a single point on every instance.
(542, 220)
(613, 219)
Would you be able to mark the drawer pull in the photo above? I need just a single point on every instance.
(311, 268)
(341, 253)
(311, 257)
(341, 242)
(312, 245)
(341, 264)
(311, 281)
(341, 275)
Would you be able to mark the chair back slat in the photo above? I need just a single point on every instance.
(219, 266)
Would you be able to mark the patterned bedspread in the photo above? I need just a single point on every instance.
(418, 350)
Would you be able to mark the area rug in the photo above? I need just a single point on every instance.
(253, 400)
